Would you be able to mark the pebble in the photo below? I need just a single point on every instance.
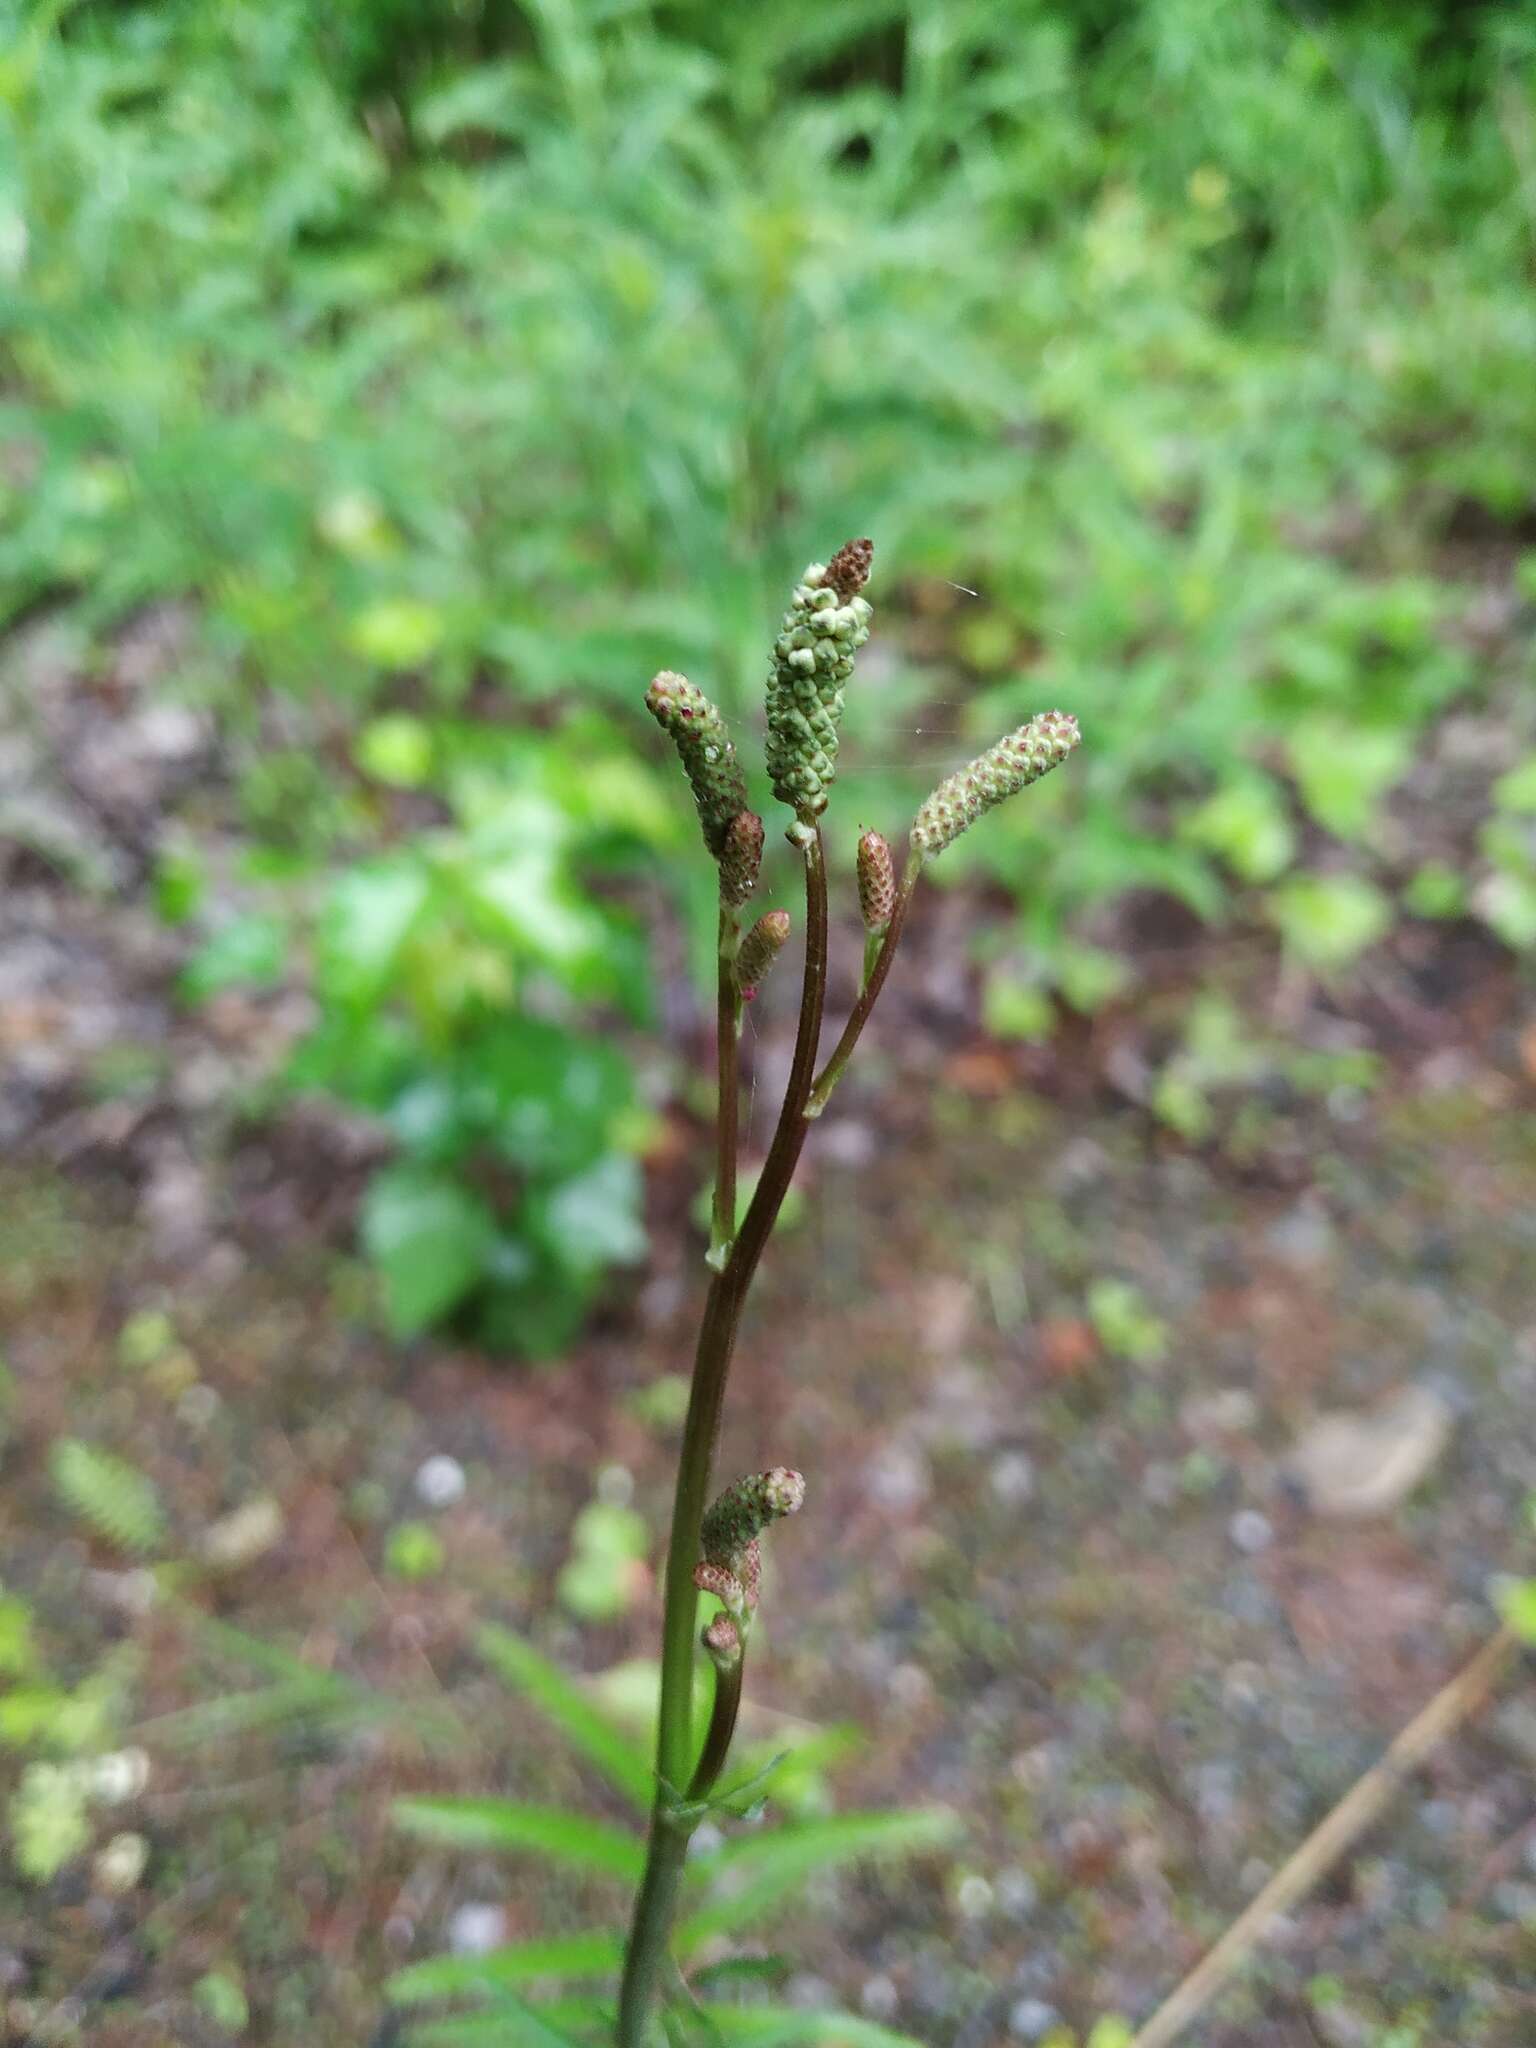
(440, 1481)
(1031, 2018)
(615, 1486)
(1250, 1531)
(1012, 1478)
(973, 1897)
(1017, 1893)
(880, 1998)
(476, 1928)
(119, 1866)
(239, 1538)
(898, 1479)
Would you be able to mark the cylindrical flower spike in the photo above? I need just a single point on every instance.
(741, 857)
(877, 881)
(759, 949)
(827, 622)
(708, 757)
(741, 1514)
(1015, 762)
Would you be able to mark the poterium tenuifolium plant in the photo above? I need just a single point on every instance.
(715, 1549)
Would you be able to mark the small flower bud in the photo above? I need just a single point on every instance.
(826, 624)
(741, 857)
(848, 570)
(704, 747)
(722, 1639)
(743, 1511)
(877, 881)
(1015, 762)
(759, 949)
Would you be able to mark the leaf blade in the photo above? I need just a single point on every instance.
(601, 1741)
(504, 1825)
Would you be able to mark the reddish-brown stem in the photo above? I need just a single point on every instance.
(667, 1847)
(869, 995)
(727, 1023)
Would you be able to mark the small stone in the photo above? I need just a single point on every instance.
(880, 1998)
(1012, 1478)
(1250, 1531)
(898, 1479)
(1358, 1464)
(245, 1534)
(440, 1481)
(119, 1866)
(119, 1776)
(809, 1993)
(476, 1928)
(1029, 2019)
(973, 1897)
(1017, 1894)
(615, 1486)
(911, 1686)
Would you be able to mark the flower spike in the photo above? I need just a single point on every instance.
(759, 949)
(826, 624)
(877, 881)
(1015, 762)
(708, 757)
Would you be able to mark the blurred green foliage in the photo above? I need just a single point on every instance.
(460, 367)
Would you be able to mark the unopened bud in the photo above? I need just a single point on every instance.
(722, 1639)
(759, 949)
(705, 749)
(741, 857)
(1015, 762)
(877, 881)
(826, 624)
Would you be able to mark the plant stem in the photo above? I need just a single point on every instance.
(874, 981)
(722, 1726)
(727, 1039)
(657, 1898)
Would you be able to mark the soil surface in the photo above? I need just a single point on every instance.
(1074, 1560)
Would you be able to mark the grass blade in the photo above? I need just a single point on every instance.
(502, 1824)
(588, 1730)
(761, 1869)
(524, 1962)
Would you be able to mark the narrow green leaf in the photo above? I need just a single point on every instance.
(511, 2024)
(762, 1869)
(524, 1962)
(775, 2026)
(601, 1741)
(502, 1824)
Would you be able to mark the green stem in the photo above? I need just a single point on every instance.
(874, 981)
(727, 1040)
(657, 1899)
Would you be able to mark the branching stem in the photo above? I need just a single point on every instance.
(874, 981)
(668, 1845)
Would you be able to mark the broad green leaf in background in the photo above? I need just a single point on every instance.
(429, 1238)
(1328, 920)
(1343, 771)
(541, 1831)
(248, 952)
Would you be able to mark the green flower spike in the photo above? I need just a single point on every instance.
(741, 857)
(705, 749)
(826, 624)
(1015, 762)
(759, 949)
(731, 1566)
(877, 881)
